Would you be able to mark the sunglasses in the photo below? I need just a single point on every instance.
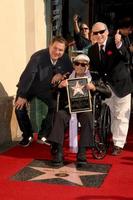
(84, 28)
(81, 64)
(99, 32)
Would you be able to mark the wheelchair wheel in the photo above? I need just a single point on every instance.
(99, 150)
(105, 124)
(101, 128)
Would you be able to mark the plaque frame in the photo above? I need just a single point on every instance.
(80, 100)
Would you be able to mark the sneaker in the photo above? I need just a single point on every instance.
(43, 140)
(25, 142)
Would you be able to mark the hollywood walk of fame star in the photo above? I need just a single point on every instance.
(67, 172)
(78, 89)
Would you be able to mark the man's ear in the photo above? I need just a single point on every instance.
(107, 32)
(88, 67)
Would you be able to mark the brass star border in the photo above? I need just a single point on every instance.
(89, 175)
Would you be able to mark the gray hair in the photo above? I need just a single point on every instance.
(100, 23)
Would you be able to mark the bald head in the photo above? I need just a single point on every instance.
(99, 26)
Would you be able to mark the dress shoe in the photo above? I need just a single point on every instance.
(81, 156)
(54, 148)
(116, 151)
(57, 159)
(57, 154)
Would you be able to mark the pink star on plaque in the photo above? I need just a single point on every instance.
(67, 172)
(78, 89)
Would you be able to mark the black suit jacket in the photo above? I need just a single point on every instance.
(114, 71)
(37, 76)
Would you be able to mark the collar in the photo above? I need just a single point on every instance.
(53, 62)
(104, 45)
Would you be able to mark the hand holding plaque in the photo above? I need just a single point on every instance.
(79, 97)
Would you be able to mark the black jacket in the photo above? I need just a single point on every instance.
(81, 42)
(115, 70)
(36, 78)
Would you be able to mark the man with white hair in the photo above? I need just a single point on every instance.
(62, 117)
(109, 56)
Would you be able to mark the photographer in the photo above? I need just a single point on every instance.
(81, 34)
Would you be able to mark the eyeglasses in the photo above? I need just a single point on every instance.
(84, 28)
(81, 64)
(99, 32)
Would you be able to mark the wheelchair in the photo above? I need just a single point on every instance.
(101, 127)
(101, 122)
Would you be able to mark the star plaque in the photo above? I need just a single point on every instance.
(90, 175)
(79, 97)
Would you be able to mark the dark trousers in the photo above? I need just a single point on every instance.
(61, 122)
(26, 126)
(24, 122)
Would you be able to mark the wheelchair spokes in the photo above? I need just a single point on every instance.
(99, 151)
(101, 127)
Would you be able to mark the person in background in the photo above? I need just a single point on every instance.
(81, 34)
(62, 117)
(125, 27)
(109, 56)
(44, 70)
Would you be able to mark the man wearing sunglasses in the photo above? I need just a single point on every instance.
(62, 117)
(112, 68)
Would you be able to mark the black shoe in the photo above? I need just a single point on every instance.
(81, 156)
(54, 149)
(116, 151)
(57, 159)
(43, 140)
(25, 142)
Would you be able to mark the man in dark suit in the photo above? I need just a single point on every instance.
(45, 69)
(109, 56)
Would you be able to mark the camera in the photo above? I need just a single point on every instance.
(79, 18)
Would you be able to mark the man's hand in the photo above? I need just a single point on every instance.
(91, 86)
(75, 18)
(63, 83)
(57, 78)
(118, 41)
(20, 103)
